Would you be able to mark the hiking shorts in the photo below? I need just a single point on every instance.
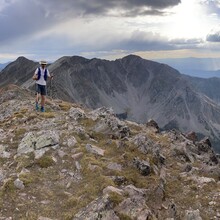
(41, 89)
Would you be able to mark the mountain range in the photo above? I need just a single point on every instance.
(197, 67)
(137, 88)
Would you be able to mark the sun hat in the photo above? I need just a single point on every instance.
(43, 62)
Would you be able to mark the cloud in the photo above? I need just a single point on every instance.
(17, 18)
(96, 7)
(213, 37)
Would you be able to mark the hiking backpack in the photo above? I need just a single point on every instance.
(39, 74)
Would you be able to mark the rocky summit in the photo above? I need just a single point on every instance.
(76, 163)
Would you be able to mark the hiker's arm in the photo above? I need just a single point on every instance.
(50, 75)
(35, 76)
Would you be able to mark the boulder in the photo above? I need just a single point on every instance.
(76, 113)
(153, 124)
(204, 145)
(37, 141)
(101, 208)
(143, 166)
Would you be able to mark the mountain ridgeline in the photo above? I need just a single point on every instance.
(134, 87)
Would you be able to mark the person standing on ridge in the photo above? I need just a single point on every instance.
(41, 74)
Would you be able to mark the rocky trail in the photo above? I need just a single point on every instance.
(75, 163)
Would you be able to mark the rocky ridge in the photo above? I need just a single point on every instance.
(76, 163)
(137, 89)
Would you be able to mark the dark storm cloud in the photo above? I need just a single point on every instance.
(215, 37)
(100, 7)
(22, 18)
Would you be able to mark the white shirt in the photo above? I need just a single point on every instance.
(41, 81)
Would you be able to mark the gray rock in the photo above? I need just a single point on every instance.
(135, 208)
(40, 153)
(113, 126)
(77, 156)
(192, 215)
(47, 139)
(27, 144)
(2, 176)
(97, 209)
(187, 168)
(101, 112)
(61, 153)
(143, 166)
(19, 184)
(114, 166)
(2, 148)
(76, 113)
(172, 210)
(110, 189)
(204, 145)
(5, 154)
(71, 142)
(119, 180)
(94, 150)
(44, 218)
(36, 141)
(133, 191)
(78, 166)
(153, 124)
(143, 143)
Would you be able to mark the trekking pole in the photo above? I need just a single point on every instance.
(51, 87)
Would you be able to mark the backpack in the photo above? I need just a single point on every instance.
(39, 74)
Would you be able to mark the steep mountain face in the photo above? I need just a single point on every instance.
(18, 72)
(141, 89)
(210, 87)
(76, 163)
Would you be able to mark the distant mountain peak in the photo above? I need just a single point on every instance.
(132, 56)
(22, 58)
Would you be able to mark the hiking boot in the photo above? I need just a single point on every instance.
(42, 109)
(36, 106)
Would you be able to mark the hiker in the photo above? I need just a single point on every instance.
(41, 74)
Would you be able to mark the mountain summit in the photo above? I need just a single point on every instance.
(137, 88)
(76, 163)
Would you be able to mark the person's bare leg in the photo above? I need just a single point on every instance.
(43, 99)
(37, 100)
(37, 97)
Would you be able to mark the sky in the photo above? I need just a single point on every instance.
(109, 29)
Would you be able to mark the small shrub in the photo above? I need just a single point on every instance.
(124, 216)
(48, 115)
(115, 198)
(8, 185)
(27, 178)
(65, 106)
(20, 131)
(18, 115)
(45, 162)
